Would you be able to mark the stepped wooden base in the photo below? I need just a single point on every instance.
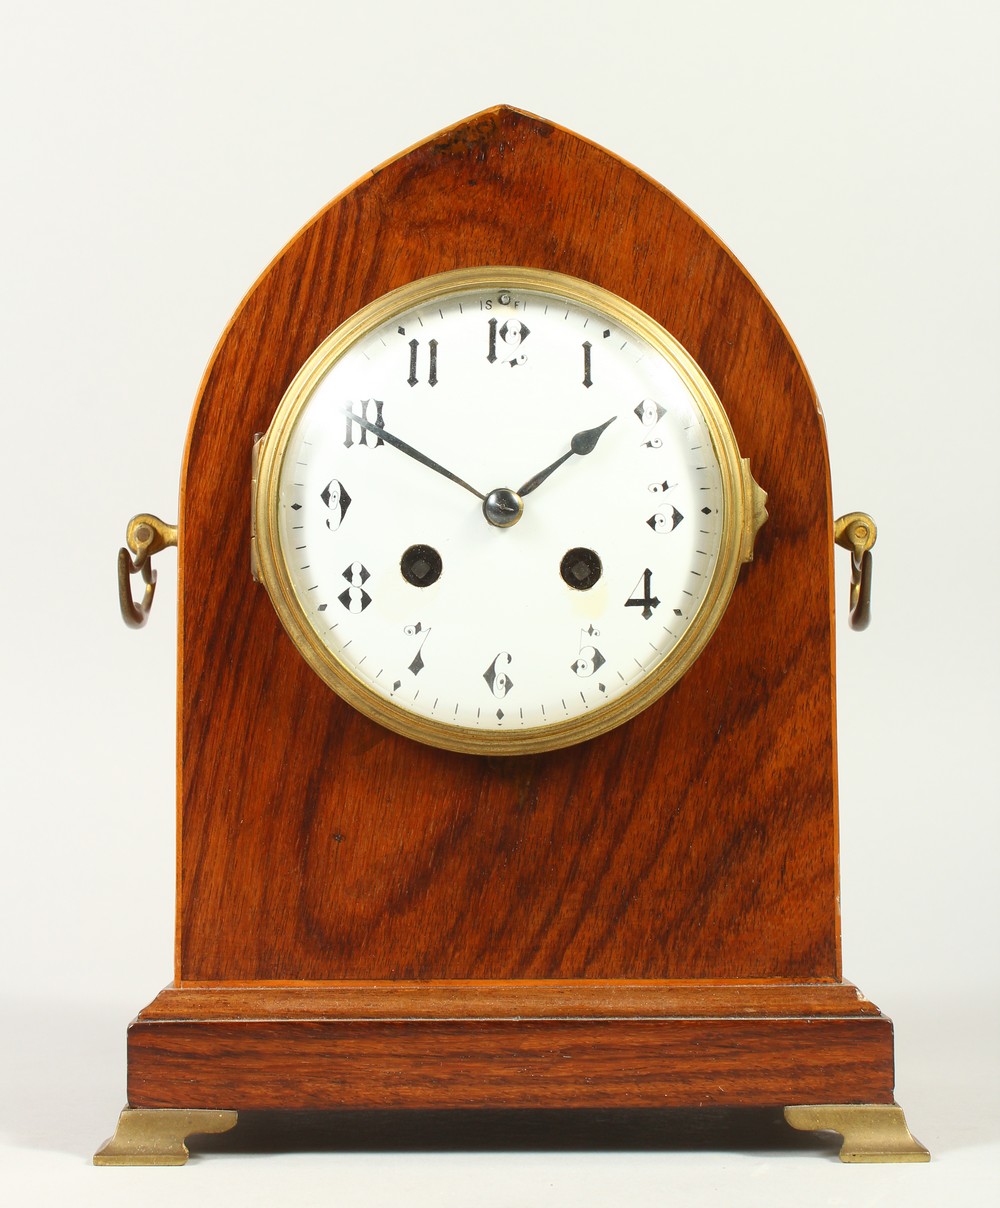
(510, 1044)
(198, 1055)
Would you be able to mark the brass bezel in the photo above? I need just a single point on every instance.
(743, 513)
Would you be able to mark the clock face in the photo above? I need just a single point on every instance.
(500, 510)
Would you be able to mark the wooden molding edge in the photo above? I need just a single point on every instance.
(501, 1000)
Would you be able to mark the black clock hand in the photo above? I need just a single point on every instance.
(409, 450)
(581, 444)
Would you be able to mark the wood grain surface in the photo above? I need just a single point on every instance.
(591, 999)
(697, 841)
(328, 1064)
(545, 1044)
(430, 1063)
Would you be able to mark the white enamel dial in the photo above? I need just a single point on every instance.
(499, 510)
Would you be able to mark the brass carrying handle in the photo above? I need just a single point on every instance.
(145, 536)
(857, 532)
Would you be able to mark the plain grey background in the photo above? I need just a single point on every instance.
(154, 158)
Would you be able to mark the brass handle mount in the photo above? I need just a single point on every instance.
(145, 536)
(857, 532)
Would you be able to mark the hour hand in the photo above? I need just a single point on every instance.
(582, 443)
(409, 450)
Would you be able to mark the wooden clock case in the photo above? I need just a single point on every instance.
(649, 919)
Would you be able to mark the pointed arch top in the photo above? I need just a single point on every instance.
(751, 727)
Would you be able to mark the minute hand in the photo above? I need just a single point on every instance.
(409, 450)
(582, 443)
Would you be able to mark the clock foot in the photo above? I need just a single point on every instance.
(154, 1136)
(872, 1132)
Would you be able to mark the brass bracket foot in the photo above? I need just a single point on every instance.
(154, 1136)
(872, 1132)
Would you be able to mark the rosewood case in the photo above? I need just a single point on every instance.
(647, 919)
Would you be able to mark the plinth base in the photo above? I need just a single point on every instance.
(541, 1045)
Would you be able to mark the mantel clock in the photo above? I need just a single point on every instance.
(506, 763)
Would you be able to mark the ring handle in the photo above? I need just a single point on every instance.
(145, 536)
(857, 532)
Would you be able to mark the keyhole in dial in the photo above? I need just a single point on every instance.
(580, 568)
(421, 565)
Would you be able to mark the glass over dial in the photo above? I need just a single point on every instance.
(501, 510)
